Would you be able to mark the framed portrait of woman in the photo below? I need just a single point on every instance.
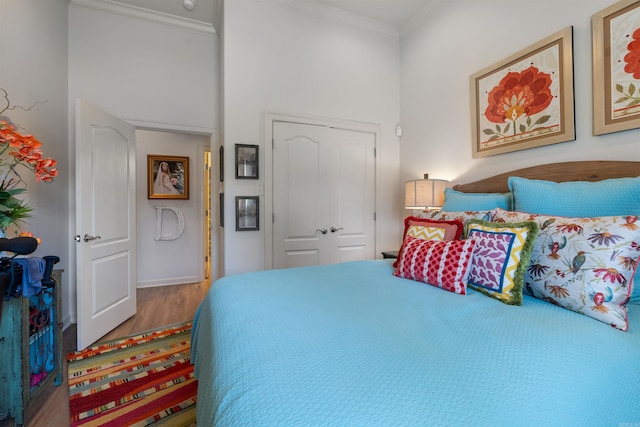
(167, 177)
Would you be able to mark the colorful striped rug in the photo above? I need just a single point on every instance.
(145, 379)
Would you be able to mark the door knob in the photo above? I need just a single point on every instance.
(88, 238)
(323, 231)
(333, 229)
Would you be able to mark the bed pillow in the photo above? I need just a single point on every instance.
(500, 258)
(426, 233)
(584, 264)
(609, 197)
(459, 201)
(444, 264)
(620, 196)
(462, 216)
(452, 230)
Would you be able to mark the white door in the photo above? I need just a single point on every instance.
(105, 222)
(323, 195)
(352, 183)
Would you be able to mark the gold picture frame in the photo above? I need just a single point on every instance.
(167, 177)
(526, 100)
(615, 33)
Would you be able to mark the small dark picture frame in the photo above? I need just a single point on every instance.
(167, 177)
(247, 161)
(247, 213)
(221, 163)
(221, 208)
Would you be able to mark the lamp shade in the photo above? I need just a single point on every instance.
(424, 193)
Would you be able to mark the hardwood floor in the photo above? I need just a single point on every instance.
(157, 307)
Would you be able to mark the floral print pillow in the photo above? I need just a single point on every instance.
(463, 216)
(583, 264)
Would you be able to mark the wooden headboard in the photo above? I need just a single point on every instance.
(558, 172)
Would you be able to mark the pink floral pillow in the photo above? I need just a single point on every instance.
(444, 264)
(583, 264)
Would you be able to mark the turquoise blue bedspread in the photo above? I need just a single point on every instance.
(352, 345)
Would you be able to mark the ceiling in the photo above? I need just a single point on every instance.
(391, 12)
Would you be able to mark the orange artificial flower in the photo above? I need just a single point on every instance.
(17, 149)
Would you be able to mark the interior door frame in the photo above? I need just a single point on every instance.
(217, 235)
(269, 119)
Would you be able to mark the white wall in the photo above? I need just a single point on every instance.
(170, 262)
(461, 37)
(280, 60)
(155, 73)
(33, 48)
(143, 70)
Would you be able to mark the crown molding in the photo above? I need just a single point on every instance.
(418, 18)
(122, 9)
(334, 14)
(218, 15)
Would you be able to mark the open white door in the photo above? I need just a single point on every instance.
(105, 222)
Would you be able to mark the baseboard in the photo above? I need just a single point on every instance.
(168, 282)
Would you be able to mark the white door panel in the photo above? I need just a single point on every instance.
(356, 199)
(296, 180)
(352, 253)
(301, 258)
(105, 221)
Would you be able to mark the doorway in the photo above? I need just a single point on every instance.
(183, 259)
(113, 176)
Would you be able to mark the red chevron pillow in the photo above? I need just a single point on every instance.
(452, 229)
(444, 264)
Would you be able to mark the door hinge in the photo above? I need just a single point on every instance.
(374, 216)
(273, 218)
(375, 152)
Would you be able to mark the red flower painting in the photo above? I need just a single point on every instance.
(515, 100)
(633, 57)
(524, 93)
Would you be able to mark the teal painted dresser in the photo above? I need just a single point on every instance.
(30, 349)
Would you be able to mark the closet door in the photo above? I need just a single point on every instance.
(323, 195)
(352, 182)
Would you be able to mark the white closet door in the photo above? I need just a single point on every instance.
(323, 195)
(353, 176)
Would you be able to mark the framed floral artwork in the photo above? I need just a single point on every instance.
(525, 100)
(167, 177)
(615, 35)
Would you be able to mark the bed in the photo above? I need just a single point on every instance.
(355, 344)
